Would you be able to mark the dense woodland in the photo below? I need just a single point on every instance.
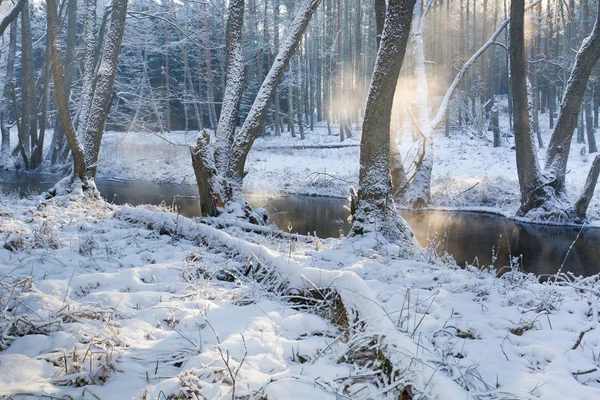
(366, 100)
(163, 66)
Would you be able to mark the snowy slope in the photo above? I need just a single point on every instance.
(140, 303)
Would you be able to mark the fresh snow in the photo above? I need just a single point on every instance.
(99, 300)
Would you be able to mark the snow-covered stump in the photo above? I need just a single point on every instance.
(212, 190)
(344, 297)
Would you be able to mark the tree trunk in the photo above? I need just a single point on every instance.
(62, 101)
(560, 142)
(581, 206)
(11, 16)
(165, 4)
(6, 93)
(226, 186)
(58, 139)
(256, 116)
(276, 48)
(527, 163)
(233, 87)
(103, 94)
(589, 127)
(375, 210)
(209, 77)
(28, 97)
(87, 90)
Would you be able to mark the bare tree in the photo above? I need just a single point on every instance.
(220, 174)
(58, 139)
(103, 89)
(375, 209)
(79, 169)
(11, 16)
(28, 131)
(527, 163)
(6, 93)
(540, 190)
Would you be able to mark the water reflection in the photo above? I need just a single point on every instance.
(473, 238)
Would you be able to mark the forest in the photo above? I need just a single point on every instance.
(293, 199)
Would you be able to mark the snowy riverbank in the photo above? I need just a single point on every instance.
(98, 299)
(463, 176)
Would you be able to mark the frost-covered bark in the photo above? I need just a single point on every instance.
(256, 117)
(103, 90)
(11, 16)
(220, 175)
(87, 87)
(581, 206)
(233, 87)
(375, 210)
(62, 100)
(560, 142)
(6, 95)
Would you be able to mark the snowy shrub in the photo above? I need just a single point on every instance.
(45, 237)
(91, 365)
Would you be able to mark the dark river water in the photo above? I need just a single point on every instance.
(474, 238)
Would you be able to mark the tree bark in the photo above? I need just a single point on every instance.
(527, 164)
(58, 139)
(28, 95)
(6, 93)
(581, 206)
(218, 187)
(11, 16)
(79, 166)
(560, 142)
(375, 210)
(234, 85)
(103, 95)
(87, 90)
(256, 117)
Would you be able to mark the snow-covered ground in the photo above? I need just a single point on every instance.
(99, 301)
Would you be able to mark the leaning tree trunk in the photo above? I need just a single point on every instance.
(58, 139)
(62, 100)
(560, 142)
(234, 85)
(225, 187)
(256, 117)
(6, 95)
(11, 16)
(375, 210)
(581, 205)
(105, 79)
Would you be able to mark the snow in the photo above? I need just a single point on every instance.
(148, 298)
